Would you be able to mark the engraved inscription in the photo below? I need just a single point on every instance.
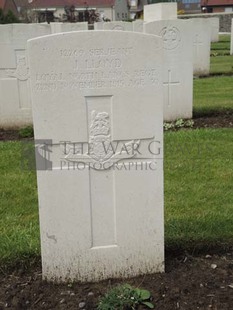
(103, 153)
(171, 37)
(118, 27)
(100, 153)
(97, 52)
(21, 72)
(96, 69)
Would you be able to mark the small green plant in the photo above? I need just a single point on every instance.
(168, 126)
(189, 123)
(125, 297)
(26, 132)
(179, 123)
(8, 18)
(213, 54)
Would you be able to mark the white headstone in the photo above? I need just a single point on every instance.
(178, 66)
(15, 103)
(201, 46)
(231, 51)
(214, 23)
(160, 11)
(101, 204)
(118, 25)
(67, 27)
(138, 25)
(99, 25)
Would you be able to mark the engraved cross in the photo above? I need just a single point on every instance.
(169, 84)
(197, 43)
(102, 153)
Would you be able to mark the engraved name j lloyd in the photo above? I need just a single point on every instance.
(101, 63)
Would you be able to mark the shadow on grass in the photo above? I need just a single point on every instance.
(23, 264)
(208, 112)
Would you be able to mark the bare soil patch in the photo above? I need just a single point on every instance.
(8, 135)
(216, 120)
(204, 282)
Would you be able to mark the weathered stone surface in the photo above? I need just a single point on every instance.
(66, 27)
(214, 23)
(118, 25)
(15, 102)
(178, 66)
(201, 46)
(101, 204)
(224, 19)
(160, 11)
(138, 25)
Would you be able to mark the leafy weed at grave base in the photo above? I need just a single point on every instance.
(26, 132)
(125, 297)
(178, 124)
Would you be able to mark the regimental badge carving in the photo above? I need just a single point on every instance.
(22, 71)
(118, 27)
(100, 136)
(102, 152)
(171, 37)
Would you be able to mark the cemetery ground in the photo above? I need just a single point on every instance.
(198, 167)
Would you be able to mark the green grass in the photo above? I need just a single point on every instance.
(198, 188)
(198, 194)
(19, 231)
(213, 94)
(221, 64)
(222, 47)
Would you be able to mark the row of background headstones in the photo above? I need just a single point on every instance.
(186, 50)
(189, 51)
(231, 51)
(101, 224)
(15, 99)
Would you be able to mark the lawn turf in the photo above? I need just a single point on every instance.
(212, 94)
(198, 195)
(199, 188)
(222, 47)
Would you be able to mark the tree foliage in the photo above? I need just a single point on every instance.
(8, 18)
(86, 15)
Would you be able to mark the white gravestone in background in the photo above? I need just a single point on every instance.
(138, 25)
(123, 26)
(66, 27)
(15, 103)
(101, 202)
(178, 66)
(231, 51)
(99, 25)
(214, 24)
(160, 11)
(201, 46)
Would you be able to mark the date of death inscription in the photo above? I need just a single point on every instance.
(95, 69)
